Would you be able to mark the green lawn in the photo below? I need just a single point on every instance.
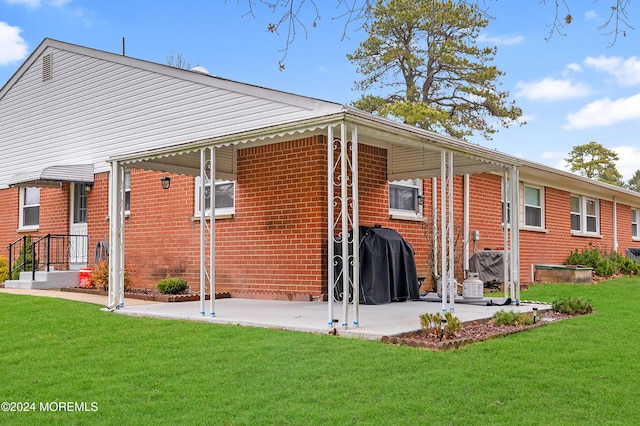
(583, 371)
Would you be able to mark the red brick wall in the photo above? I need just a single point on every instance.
(9, 205)
(276, 241)
(54, 214)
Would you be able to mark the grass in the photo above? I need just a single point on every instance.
(151, 371)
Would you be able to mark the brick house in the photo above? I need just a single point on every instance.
(87, 136)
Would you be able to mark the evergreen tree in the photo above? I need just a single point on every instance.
(594, 161)
(422, 57)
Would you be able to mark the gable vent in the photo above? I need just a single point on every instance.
(47, 67)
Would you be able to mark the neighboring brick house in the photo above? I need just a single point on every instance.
(133, 122)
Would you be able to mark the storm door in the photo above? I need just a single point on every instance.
(79, 240)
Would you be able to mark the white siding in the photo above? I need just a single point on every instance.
(94, 108)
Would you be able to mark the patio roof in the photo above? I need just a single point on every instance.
(413, 152)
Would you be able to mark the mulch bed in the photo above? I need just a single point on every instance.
(476, 331)
(146, 294)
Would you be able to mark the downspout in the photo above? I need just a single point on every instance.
(465, 226)
(615, 225)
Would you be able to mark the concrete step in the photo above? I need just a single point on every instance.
(46, 280)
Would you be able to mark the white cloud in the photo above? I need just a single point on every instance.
(572, 68)
(605, 112)
(626, 71)
(590, 15)
(629, 160)
(500, 40)
(33, 4)
(13, 48)
(550, 89)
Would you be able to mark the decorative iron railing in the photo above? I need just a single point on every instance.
(39, 253)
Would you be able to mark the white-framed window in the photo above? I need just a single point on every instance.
(405, 198)
(127, 191)
(585, 215)
(29, 208)
(635, 217)
(533, 207)
(225, 197)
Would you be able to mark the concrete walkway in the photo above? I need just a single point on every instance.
(79, 297)
(375, 321)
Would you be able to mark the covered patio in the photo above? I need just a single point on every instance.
(412, 154)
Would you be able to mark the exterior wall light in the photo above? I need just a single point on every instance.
(166, 182)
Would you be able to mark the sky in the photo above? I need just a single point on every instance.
(579, 86)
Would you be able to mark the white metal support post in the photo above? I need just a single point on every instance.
(449, 289)
(116, 236)
(453, 289)
(330, 226)
(207, 228)
(344, 206)
(514, 254)
(506, 223)
(342, 215)
(356, 227)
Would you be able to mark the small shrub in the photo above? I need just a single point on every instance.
(605, 268)
(172, 286)
(453, 325)
(4, 269)
(572, 306)
(25, 260)
(604, 264)
(629, 266)
(431, 324)
(503, 317)
(100, 276)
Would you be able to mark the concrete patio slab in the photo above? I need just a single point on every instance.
(375, 321)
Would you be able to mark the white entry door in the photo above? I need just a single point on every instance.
(79, 242)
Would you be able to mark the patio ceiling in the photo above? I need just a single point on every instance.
(412, 153)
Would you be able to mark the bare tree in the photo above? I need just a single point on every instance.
(178, 61)
(290, 16)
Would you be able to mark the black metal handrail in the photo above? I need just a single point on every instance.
(44, 251)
